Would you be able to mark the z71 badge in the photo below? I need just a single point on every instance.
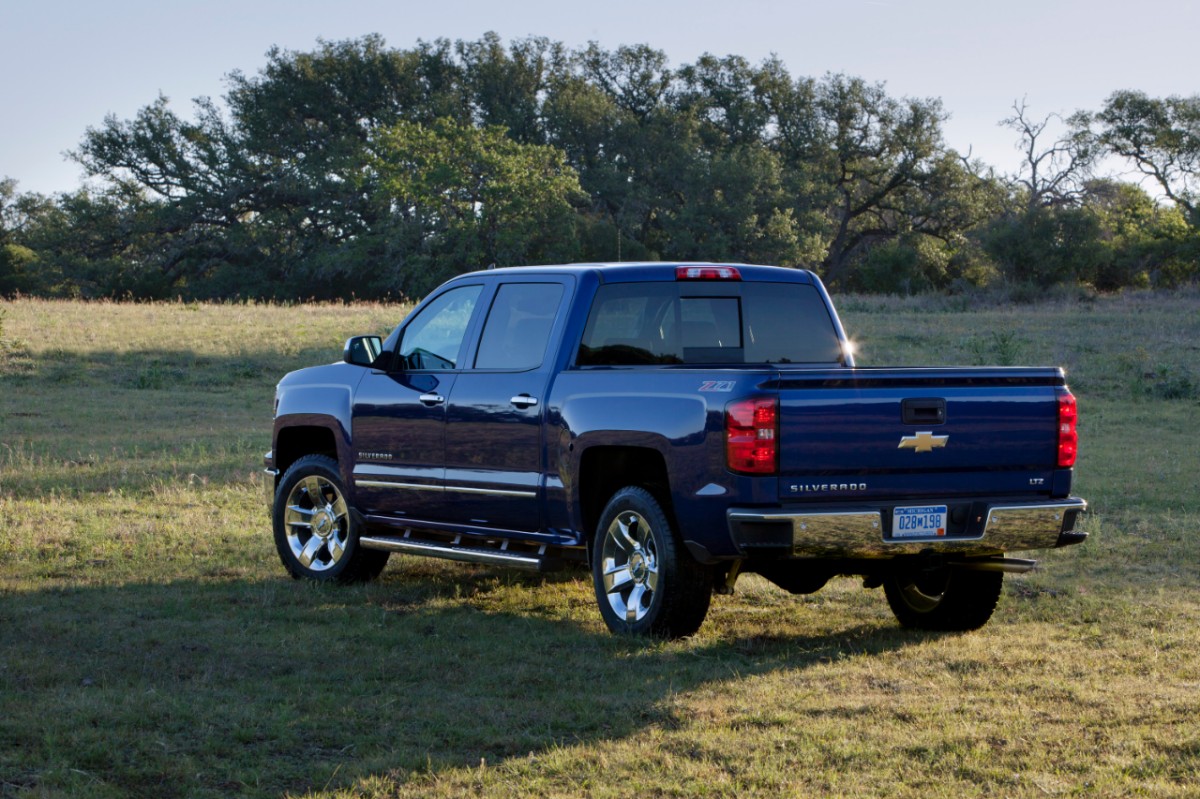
(722, 386)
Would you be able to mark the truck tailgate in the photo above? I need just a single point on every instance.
(914, 432)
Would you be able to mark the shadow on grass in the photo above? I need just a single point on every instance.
(263, 687)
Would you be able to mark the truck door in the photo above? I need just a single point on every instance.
(494, 421)
(399, 415)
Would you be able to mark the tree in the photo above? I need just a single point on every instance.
(17, 261)
(281, 194)
(722, 94)
(1044, 247)
(507, 87)
(356, 169)
(1161, 138)
(276, 196)
(1144, 243)
(936, 246)
(463, 197)
(876, 152)
(1052, 173)
(618, 112)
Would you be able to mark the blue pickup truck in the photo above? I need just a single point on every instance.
(669, 426)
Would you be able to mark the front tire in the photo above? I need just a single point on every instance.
(646, 583)
(315, 533)
(951, 600)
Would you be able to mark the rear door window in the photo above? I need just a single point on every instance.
(518, 326)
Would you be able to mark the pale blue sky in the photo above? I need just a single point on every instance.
(65, 64)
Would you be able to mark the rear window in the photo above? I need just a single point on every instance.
(689, 323)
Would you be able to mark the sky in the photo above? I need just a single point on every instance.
(66, 64)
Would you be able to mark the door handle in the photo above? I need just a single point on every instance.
(524, 401)
(432, 399)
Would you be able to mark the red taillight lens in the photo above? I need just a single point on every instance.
(707, 273)
(1068, 435)
(751, 436)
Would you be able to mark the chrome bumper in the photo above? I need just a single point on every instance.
(270, 478)
(861, 533)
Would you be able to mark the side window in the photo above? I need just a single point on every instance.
(518, 326)
(433, 339)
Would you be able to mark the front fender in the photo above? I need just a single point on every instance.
(317, 399)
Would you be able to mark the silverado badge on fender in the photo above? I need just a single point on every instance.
(924, 441)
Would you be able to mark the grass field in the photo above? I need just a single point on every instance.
(150, 644)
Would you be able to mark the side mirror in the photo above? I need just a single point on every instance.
(362, 350)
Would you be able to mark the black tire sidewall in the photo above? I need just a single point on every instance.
(967, 602)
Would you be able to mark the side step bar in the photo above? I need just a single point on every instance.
(533, 560)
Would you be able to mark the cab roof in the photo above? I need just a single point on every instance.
(644, 271)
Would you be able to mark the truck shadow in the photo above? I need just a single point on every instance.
(271, 686)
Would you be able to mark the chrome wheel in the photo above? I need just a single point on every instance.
(644, 583)
(629, 565)
(315, 531)
(316, 523)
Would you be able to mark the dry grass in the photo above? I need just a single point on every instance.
(151, 646)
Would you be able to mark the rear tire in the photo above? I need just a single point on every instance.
(646, 583)
(943, 599)
(315, 533)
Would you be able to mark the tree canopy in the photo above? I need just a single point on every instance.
(360, 170)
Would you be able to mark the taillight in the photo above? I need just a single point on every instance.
(707, 273)
(1068, 435)
(752, 436)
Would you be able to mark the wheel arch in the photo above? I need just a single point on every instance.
(606, 469)
(293, 442)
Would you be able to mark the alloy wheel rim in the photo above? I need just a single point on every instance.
(629, 566)
(316, 522)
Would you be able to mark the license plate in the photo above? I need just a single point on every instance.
(928, 521)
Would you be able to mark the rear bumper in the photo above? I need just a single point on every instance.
(864, 532)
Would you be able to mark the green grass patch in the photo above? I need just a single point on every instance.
(150, 644)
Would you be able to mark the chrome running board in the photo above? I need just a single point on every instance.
(533, 558)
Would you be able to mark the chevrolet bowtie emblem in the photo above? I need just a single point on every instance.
(923, 442)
